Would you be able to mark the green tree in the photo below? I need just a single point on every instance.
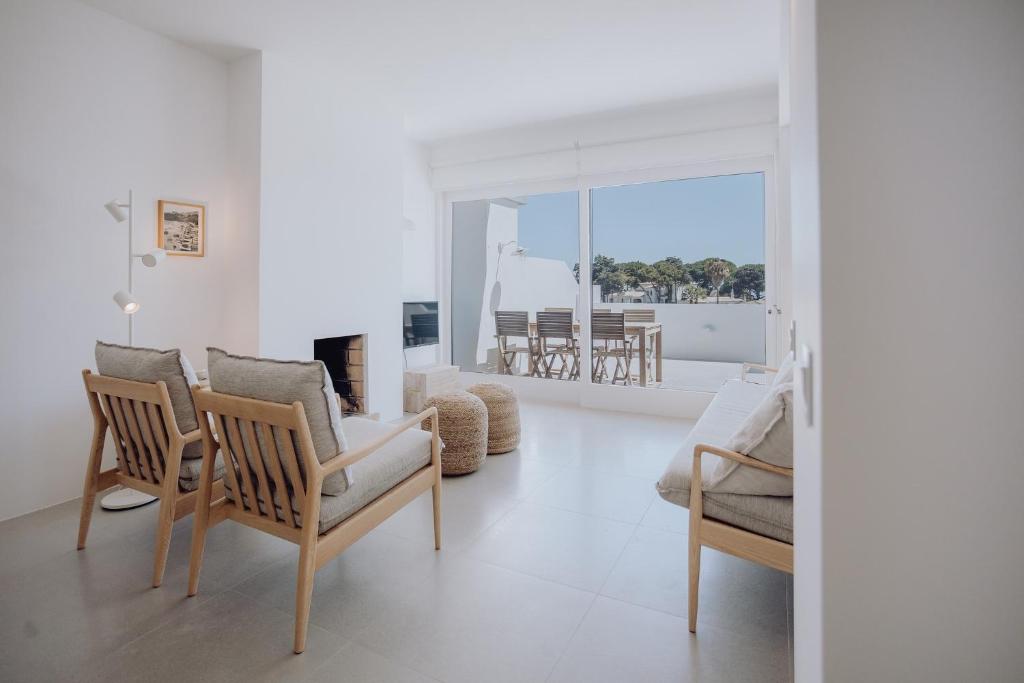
(637, 273)
(749, 280)
(670, 272)
(607, 274)
(717, 271)
(693, 293)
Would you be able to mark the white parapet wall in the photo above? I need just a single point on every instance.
(732, 332)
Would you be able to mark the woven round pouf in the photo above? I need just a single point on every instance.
(462, 426)
(502, 415)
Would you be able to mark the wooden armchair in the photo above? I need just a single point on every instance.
(272, 488)
(728, 538)
(149, 448)
(762, 369)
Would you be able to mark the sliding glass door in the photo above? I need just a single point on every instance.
(683, 262)
(679, 267)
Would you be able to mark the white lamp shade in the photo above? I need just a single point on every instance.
(126, 301)
(154, 257)
(116, 210)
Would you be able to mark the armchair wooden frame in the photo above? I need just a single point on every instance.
(273, 478)
(149, 445)
(725, 537)
(747, 367)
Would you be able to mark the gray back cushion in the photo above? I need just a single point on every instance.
(281, 381)
(153, 365)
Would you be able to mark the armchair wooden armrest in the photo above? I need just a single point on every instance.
(350, 458)
(747, 367)
(737, 457)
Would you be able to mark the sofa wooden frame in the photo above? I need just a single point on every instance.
(149, 446)
(302, 475)
(725, 537)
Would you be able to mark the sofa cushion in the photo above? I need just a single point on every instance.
(281, 381)
(374, 475)
(785, 373)
(770, 516)
(188, 475)
(730, 407)
(766, 515)
(140, 364)
(766, 435)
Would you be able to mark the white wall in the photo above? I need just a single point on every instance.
(731, 333)
(805, 214)
(419, 234)
(331, 218)
(241, 282)
(419, 241)
(92, 106)
(919, 111)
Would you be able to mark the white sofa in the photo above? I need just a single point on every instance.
(754, 527)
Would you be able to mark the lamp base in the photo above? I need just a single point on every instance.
(125, 499)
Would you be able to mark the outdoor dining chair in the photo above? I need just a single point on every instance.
(515, 325)
(641, 315)
(608, 331)
(557, 342)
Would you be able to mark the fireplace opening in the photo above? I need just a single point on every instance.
(345, 358)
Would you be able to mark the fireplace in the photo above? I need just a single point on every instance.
(345, 358)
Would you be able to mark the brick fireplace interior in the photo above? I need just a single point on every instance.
(345, 358)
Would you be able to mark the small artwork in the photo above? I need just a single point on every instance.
(181, 228)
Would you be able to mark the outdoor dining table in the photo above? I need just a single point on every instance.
(647, 334)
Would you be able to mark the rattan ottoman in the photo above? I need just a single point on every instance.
(502, 415)
(462, 426)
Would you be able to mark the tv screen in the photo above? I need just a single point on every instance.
(419, 323)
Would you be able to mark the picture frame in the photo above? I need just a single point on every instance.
(181, 227)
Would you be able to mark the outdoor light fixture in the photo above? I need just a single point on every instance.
(518, 250)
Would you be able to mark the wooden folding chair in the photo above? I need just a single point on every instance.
(641, 315)
(608, 332)
(516, 325)
(149, 446)
(557, 342)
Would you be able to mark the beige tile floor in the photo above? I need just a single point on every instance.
(560, 564)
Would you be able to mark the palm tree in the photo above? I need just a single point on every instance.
(717, 272)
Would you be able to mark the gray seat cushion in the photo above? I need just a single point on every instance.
(140, 364)
(374, 475)
(770, 516)
(281, 381)
(188, 475)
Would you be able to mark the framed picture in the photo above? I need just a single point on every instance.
(181, 228)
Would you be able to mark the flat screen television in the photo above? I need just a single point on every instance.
(419, 323)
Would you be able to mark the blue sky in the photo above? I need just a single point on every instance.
(692, 219)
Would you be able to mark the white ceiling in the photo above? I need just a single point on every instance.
(462, 66)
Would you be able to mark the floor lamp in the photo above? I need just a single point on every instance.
(125, 498)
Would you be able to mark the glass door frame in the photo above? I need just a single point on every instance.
(583, 184)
